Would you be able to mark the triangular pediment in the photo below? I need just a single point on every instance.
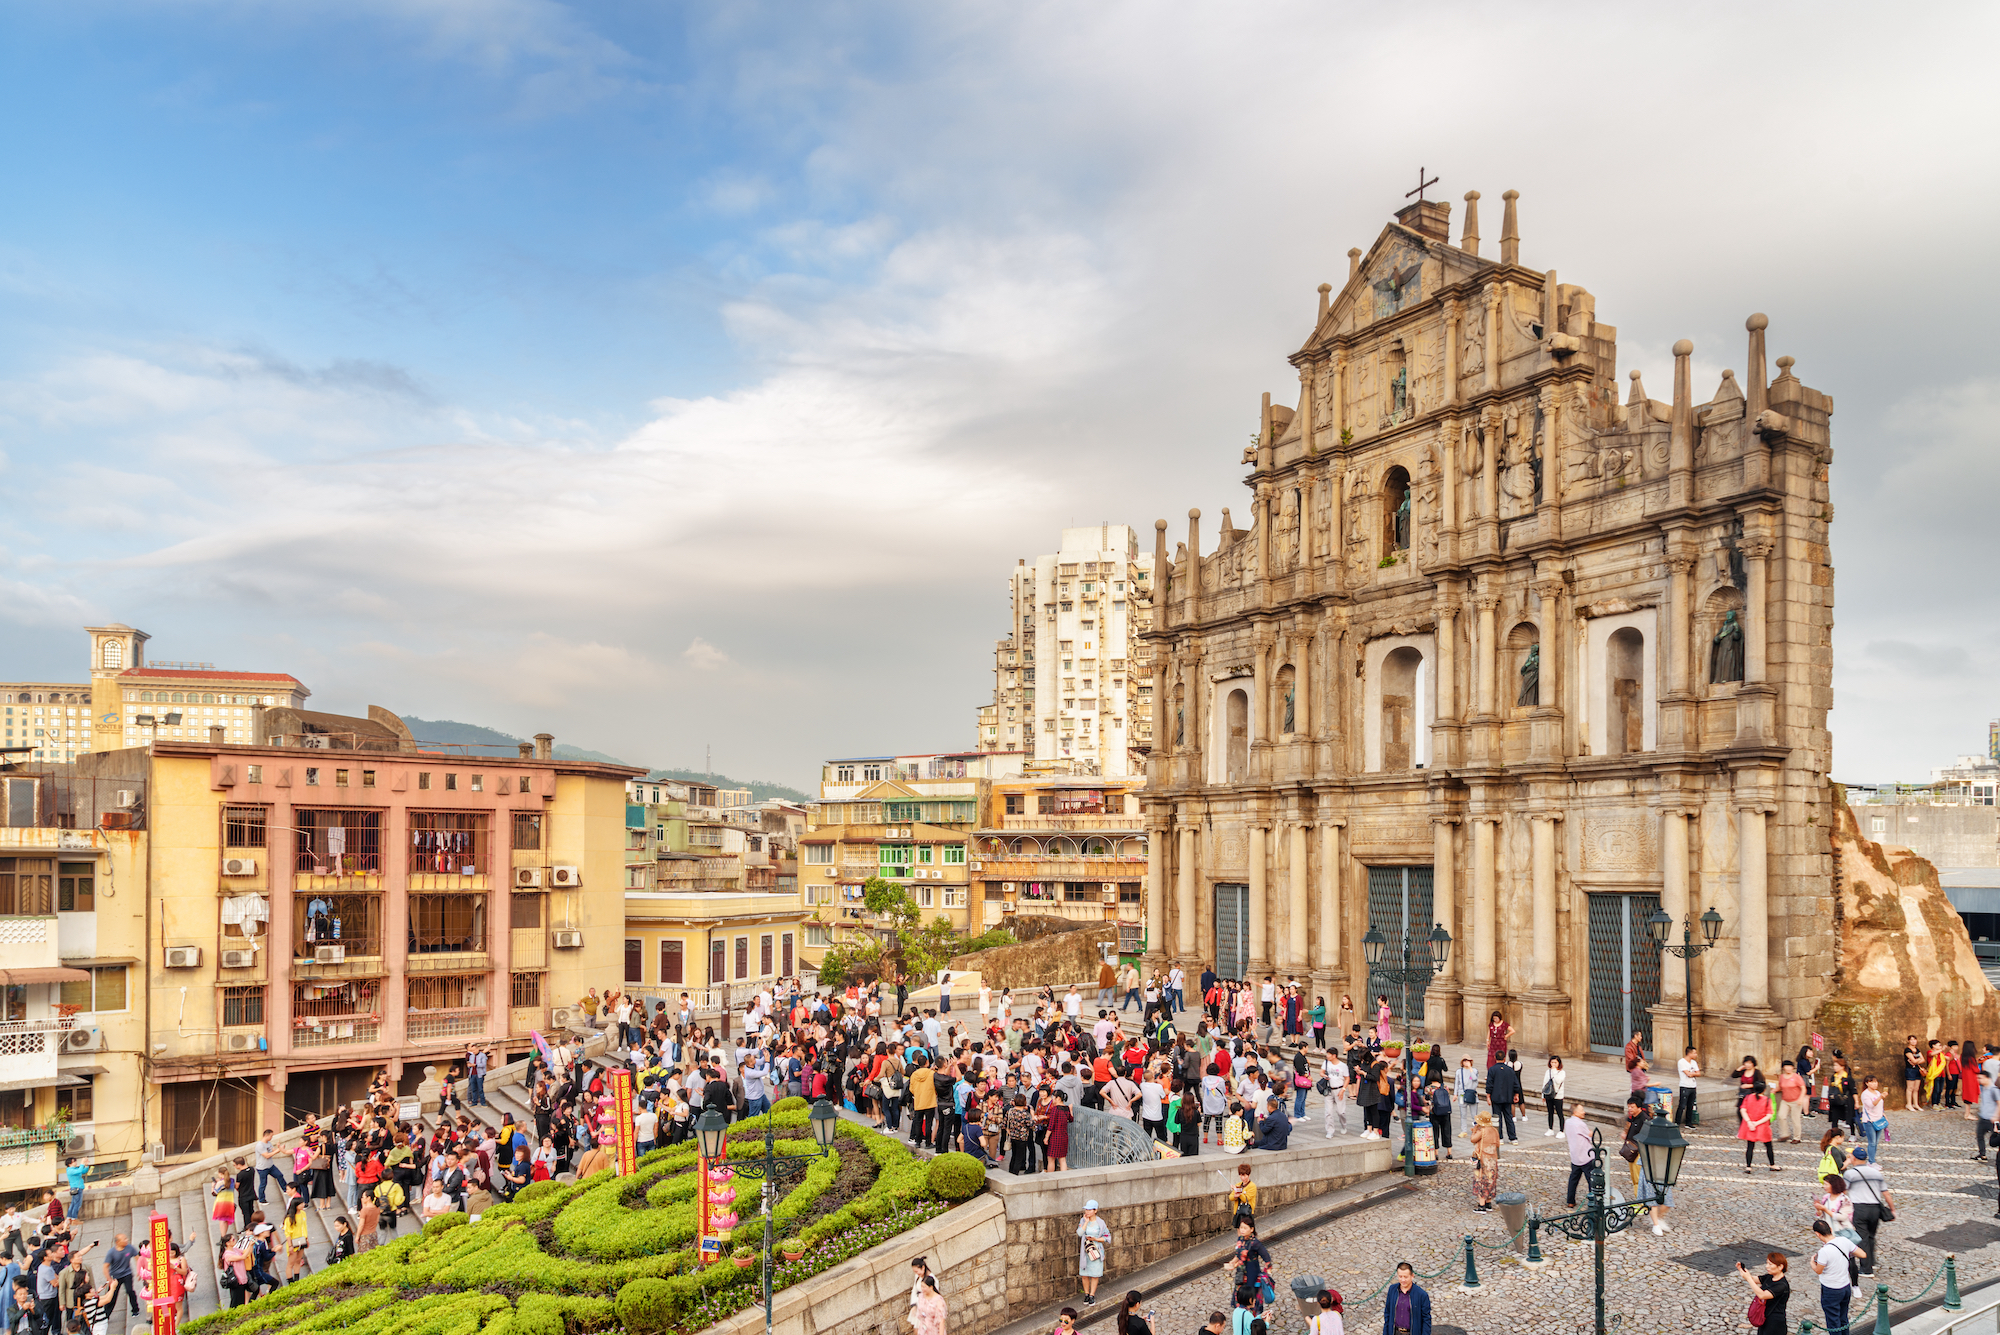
(888, 790)
(1404, 268)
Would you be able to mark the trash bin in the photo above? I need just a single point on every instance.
(1514, 1211)
(1423, 1138)
(1305, 1290)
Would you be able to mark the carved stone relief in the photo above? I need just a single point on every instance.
(1619, 842)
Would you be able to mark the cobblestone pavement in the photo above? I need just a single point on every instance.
(1679, 1282)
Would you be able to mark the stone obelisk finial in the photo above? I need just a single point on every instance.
(1755, 382)
(1353, 263)
(1469, 243)
(1510, 231)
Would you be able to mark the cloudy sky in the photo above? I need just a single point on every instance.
(664, 375)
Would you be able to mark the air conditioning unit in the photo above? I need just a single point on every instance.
(239, 866)
(79, 1142)
(974, 865)
(567, 939)
(562, 1016)
(184, 957)
(565, 876)
(329, 954)
(832, 871)
(239, 959)
(126, 797)
(86, 1039)
(156, 1152)
(239, 1042)
(527, 878)
(1007, 908)
(1007, 886)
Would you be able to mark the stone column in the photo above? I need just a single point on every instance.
(1680, 438)
(1484, 957)
(1452, 310)
(1163, 725)
(1755, 640)
(1184, 907)
(1492, 350)
(1753, 987)
(1329, 898)
(1680, 623)
(1260, 694)
(1447, 751)
(1157, 837)
(1261, 517)
(1441, 1010)
(1298, 911)
(1260, 955)
(1489, 656)
(1489, 463)
(1162, 564)
(1673, 895)
(1544, 841)
(1338, 367)
(1193, 571)
(1302, 677)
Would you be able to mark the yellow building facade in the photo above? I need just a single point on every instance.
(700, 942)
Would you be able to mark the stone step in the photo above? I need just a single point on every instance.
(199, 1247)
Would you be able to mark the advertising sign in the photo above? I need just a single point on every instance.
(166, 1292)
(621, 1122)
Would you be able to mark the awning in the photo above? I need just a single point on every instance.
(84, 1070)
(59, 1082)
(14, 976)
(100, 961)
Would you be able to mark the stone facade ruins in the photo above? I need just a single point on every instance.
(1500, 652)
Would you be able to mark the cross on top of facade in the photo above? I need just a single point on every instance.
(1422, 185)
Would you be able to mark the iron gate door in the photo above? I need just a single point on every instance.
(1624, 971)
(1232, 930)
(1399, 901)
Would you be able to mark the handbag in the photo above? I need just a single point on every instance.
(1549, 1088)
(318, 1162)
(1756, 1313)
(1629, 1151)
(1322, 1087)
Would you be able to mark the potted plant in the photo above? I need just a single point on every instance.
(744, 1257)
(792, 1248)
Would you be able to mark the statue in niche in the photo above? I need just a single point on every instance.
(1531, 677)
(1472, 357)
(1180, 726)
(1322, 391)
(1285, 535)
(1399, 392)
(1725, 652)
(1290, 692)
(1403, 523)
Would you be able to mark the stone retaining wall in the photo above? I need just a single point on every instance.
(1154, 1210)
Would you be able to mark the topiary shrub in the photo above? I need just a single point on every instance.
(444, 1223)
(792, 1104)
(954, 1177)
(645, 1306)
(534, 1191)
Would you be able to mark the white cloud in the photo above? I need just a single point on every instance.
(703, 656)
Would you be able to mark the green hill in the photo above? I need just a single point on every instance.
(493, 742)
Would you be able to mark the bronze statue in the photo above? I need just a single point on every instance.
(1531, 677)
(1725, 652)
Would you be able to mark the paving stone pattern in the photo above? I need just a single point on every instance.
(1671, 1284)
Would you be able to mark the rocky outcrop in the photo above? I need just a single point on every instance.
(1067, 956)
(1906, 964)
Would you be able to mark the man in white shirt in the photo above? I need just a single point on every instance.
(1177, 988)
(1072, 1003)
(1690, 1068)
(1336, 1099)
(645, 1125)
(1267, 995)
(1836, 1285)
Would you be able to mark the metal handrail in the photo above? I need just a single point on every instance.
(1990, 1310)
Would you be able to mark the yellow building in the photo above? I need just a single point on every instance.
(703, 941)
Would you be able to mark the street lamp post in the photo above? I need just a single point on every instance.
(1659, 926)
(1661, 1149)
(712, 1129)
(1423, 957)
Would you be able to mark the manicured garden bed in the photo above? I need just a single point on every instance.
(617, 1253)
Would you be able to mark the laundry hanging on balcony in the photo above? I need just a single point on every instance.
(247, 912)
(443, 851)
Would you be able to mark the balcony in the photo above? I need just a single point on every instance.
(1123, 823)
(28, 1052)
(424, 1026)
(1062, 869)
(335, 1032)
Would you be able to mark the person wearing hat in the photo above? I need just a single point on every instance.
(1094, 1245)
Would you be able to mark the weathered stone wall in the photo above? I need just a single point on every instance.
(1906, 964)
(1065, 957)
(1154, 1210)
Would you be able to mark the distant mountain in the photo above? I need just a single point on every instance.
(493, 742)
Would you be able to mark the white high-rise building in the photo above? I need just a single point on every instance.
(1067, 691)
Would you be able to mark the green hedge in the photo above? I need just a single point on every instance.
(626, 1250)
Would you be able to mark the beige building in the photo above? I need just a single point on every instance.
(1061, 847)
(1506, 650)
(1065, 694)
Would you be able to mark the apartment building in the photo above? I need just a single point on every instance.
(905, 819)
(201, 939)
(1068, 693)
(1062, 847)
